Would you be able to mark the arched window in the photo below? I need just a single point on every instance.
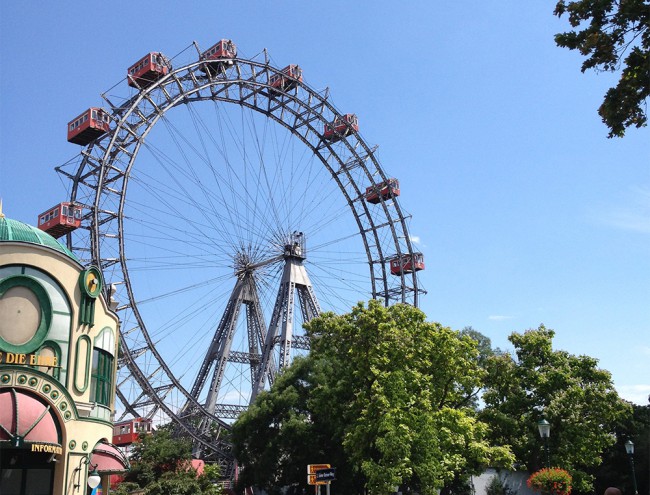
(102, 376)
(101, 379)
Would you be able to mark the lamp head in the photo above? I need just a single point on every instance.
(94, 479)
(629, 447)
(544, 428)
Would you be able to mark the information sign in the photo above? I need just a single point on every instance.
(311, 480)
(312, 468)
(326, 474)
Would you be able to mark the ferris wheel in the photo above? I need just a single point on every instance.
(215, 193)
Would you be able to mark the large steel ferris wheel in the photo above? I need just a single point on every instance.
(244, 194)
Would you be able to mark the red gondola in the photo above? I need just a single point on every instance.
(288, 78)
(60, 220)
(218, 56)
(127, 432)
(90, 125)
(148, 70)
(384, 190)
(407, 263)
(342, 126)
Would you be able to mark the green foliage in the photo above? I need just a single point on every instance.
(615, 468)
(276, 438)
(156, 454)
(125, 488)
(611, 33)
(485, 351)
(161, 465)
(182, 482)
(550, 481)
(409, 383)
(571, 392)
(384, 396)
(496, 486)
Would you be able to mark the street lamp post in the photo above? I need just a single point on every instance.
(93, 479)
(629, 448)
(544, 428)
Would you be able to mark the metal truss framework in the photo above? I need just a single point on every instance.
(100, 178)
(261, 344)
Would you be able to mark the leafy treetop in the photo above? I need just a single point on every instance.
(571, 392)
(161, 465)
(611, 34)
(384, 396)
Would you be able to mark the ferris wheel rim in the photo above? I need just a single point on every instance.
(183, 94)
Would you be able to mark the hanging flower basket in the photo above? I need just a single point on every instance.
(553, 481)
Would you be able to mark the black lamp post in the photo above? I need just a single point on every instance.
(544, 428)
(93, 479)
(629, 448)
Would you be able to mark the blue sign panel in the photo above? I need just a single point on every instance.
(326, 474)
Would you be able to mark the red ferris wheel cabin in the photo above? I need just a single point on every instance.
(127, 432)
(88, 126)
(60, 220)
(219, 55)
(288, 78)
(148, 70)
(407, 263)
(384, 190)
(342, 126)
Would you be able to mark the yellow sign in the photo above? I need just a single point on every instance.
(311, 480)
(312, 468)
(28, 359)
(45, 447)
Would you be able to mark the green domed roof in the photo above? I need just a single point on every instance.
(12, 230)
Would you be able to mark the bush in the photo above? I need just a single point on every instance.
(495, 487)
(553, 481)
(498, 486)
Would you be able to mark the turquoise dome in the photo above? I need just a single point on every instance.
(15, 231)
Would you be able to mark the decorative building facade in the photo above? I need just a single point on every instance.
(58, 362)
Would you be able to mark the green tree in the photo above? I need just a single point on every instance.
(161, 465)
(484, 345)
(384, 397)
(612, 34)
(186, 482)
(276, 437)
(406, 387)
(571, 392)
(615, 469)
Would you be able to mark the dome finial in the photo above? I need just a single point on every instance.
(2, 215)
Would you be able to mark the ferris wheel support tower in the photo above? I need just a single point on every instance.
(294, 279)
(262, 344)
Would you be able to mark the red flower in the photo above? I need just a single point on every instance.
(553, 481)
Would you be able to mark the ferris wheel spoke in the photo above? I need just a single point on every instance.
(199, 227)
(237, 199)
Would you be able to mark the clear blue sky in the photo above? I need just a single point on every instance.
(526, 212)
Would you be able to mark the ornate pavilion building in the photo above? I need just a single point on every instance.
(58, 361)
